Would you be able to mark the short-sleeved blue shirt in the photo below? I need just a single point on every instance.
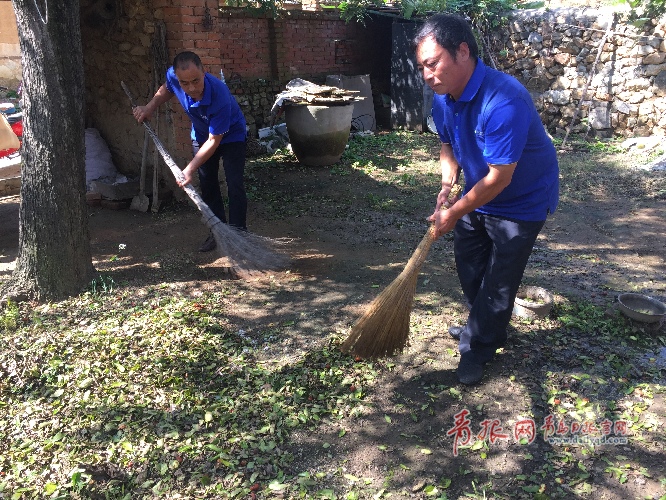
(495, 122)
(216, 113)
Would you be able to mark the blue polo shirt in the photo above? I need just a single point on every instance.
(495, 121)
(216, 113)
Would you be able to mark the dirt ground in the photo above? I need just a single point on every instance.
(347, 245)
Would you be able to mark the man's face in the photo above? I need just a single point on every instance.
(443, 73)
(191, 80)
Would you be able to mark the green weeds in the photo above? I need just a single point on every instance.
(9, 317)
(101, 285)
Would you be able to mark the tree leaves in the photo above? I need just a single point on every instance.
(158, 390)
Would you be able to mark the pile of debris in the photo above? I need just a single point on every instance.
(300, 91)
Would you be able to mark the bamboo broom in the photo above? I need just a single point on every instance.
(249, 254)
(383, 330)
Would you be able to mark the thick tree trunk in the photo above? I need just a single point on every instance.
(54, 258)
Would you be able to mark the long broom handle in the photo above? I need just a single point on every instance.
(210, 218)
(430, 237)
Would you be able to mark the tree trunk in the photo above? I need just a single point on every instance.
(54, 258)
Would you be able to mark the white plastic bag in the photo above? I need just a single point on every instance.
(99, 165)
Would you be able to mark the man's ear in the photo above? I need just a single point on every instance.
(462, 54)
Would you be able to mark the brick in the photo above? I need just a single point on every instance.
(195, 3)
(206, 44)
(178, 11)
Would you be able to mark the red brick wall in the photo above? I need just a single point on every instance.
(308, 45)
(304, 44)
(245, 46)
(258, 55)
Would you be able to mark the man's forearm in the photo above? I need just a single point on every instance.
(161, 96)
(449, 166)
(484, 191)
(146, 112)
(205, 151)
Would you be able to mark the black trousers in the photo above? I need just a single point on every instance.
(233, 161)
(491, 255)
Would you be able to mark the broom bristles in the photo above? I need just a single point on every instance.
(250, 255)
(384, 328)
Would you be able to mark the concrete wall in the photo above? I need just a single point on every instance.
(553, 53)
(10, 53)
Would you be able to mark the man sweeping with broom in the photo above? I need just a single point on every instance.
(490, 129)
(218, 131)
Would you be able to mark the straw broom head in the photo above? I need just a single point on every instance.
(249, 255)
(384, 328)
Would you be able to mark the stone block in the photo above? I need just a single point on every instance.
(93, 199)
(122, 191)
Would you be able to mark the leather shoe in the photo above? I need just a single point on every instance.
(456, 331)
(469, 372)
(209, 244)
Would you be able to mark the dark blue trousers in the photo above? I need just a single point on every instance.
(233, 161)
(491, 255)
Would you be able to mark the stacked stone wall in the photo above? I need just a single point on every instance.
(553, 53)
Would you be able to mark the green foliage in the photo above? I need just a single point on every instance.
(161, 388)
(644, 10)
(531, 5)
(102, 285)
(482, 14)
(587, 317)
(594, 145)
(9, 318)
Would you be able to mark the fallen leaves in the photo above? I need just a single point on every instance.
(161, 389)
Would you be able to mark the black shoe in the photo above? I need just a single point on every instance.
(456, 331)
(209, 244)
(469, 372)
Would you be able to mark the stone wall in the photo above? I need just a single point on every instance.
(117, 47)
(553, 53)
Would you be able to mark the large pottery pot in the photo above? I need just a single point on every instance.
(318, 134)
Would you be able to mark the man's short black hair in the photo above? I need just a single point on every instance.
(449, 31)
(184, 59)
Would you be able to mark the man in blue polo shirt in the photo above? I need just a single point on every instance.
(489, 129)
(218, 131)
